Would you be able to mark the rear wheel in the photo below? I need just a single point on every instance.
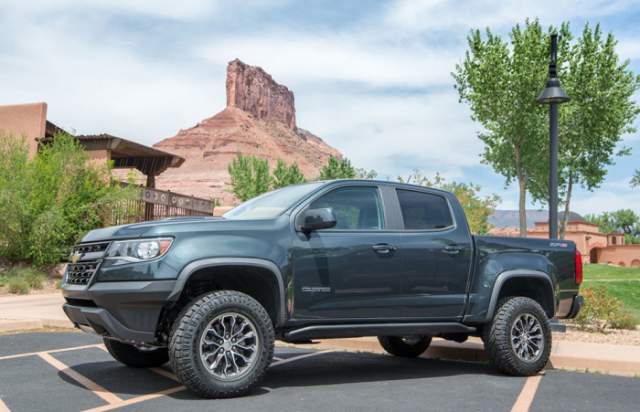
(518, 340)
(135, 357)
(222, 344)
(405, 346)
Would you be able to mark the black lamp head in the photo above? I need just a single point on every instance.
(553, 92)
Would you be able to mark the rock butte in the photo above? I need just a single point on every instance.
(259, 120)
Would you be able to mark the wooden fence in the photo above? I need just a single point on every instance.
(154, 204)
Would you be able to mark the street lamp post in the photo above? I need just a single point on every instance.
(553, 95)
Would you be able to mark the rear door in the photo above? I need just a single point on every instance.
(436, 253)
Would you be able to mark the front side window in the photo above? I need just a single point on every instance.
(424, 211)
(355, 208)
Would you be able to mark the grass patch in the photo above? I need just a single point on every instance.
(622, 283)
(21, 279)
(597, 271)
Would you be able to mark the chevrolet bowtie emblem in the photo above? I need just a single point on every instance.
(75, 257)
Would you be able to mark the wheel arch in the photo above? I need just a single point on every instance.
(529, 283)
(267, 266)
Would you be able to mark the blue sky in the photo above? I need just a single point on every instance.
(370, 77)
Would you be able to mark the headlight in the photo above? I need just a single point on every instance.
(127, 251)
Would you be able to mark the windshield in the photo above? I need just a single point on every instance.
(271, 204)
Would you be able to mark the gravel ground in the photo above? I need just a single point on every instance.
(615, 337)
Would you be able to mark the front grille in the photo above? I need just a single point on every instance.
(91, 247)
(81, 273)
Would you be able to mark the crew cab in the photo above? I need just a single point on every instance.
(329, 259)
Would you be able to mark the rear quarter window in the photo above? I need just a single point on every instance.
(424, 211)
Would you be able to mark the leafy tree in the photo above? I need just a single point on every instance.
(601, 111)
(366, 174)
(635, 180)
(477, 209)
(337, 169)
(49, 201)
(501, 83)
(624, 219)
(249, 176)
(284, 175)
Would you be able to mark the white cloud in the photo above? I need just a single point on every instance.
(425, 15)
(170, 9)
(360, 56)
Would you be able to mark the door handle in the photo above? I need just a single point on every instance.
(452, 250)
(383, 248)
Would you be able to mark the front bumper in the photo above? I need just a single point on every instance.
(127, 311)
(576, 305)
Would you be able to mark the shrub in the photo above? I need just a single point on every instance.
(34, 278)
(601, 310)
(18, 285)
(48, 202)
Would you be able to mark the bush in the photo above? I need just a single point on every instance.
(48, 202)
(601, 311)
(34, 278)
(18, 285)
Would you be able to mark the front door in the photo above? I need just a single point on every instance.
(346, 272)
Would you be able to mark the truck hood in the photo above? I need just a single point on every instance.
(140, 229)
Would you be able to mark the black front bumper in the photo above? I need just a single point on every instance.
(127, 311)
(576, 305)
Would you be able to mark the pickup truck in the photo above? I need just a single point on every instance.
(320, 260)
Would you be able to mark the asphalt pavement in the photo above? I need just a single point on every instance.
(72, 372)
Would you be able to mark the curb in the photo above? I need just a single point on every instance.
(473, 351)
(9, 325)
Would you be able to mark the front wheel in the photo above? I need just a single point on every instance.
(518, 340)
(222, 344)
(405, 346)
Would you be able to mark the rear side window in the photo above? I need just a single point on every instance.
(424, 211)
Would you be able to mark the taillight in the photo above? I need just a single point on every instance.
(578, 267)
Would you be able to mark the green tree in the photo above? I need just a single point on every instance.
(478, 209)
(337, 169)
(284, 175)
(501, 83)
(601, 111)
(625, 220)
(366, 174)
(635, 180)
(249, 176)
(49, 201)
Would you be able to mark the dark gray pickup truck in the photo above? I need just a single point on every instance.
(330, 259)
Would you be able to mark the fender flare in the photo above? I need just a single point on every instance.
(194, 266)
(515, 273)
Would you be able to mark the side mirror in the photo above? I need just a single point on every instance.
(314, 219)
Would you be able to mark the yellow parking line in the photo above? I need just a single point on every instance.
(137, 399)
(528, 392)
(295, 358)
(4, 407)
(81, 379)
(165, 373)
(22, 355)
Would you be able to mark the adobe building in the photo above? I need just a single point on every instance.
(30, 122)
(595, 246)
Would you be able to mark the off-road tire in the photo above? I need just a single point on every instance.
(184, 352)
(396, 346)
(497, 337)
(134, 357)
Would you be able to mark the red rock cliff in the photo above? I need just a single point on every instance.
(259, 120)
(251, 89)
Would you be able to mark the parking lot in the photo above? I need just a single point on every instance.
(72, 372)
